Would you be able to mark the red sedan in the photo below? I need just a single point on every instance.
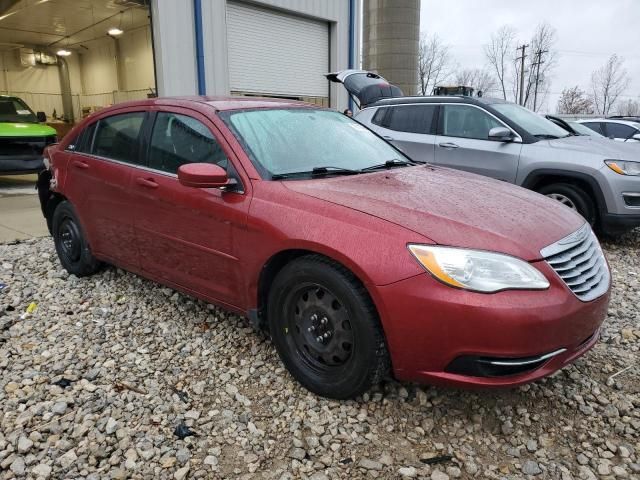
(357, 260)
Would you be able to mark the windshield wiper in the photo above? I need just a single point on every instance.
(316, 172)
(546, 136)
(390, 164)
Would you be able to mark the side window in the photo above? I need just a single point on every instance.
(82, 143)
(467, 122)
(116, 137)
(179, 139)
(410, 118)
(595, 126)
(618, 130)
(378, 118)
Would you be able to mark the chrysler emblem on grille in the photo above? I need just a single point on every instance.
(576, 237)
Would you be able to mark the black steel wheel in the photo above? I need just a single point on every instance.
(71, 244)
(326, 328)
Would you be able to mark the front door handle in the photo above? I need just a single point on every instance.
(80, 164)
(448, 145)
(388, 138)
(146, 182)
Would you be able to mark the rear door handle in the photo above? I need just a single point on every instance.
(448, 145)
(388, 138)
(80, 164)
(146, 182)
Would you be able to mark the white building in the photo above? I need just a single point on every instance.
(76, 56)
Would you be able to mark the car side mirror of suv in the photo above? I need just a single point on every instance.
(500, 134)
(203, 175)
(636, 137)
(41, 116)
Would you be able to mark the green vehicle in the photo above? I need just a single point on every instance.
(23, 137)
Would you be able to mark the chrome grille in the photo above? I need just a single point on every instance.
(579, 261)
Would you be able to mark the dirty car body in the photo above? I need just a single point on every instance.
(427, 273)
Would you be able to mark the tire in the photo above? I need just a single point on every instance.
(313, 296)
(573, 197)
(71, 243)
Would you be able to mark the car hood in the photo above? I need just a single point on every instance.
(452, 208)
(8, 129)
(603, 146)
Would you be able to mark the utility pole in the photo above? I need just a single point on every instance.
(536, 65)
(522, 56)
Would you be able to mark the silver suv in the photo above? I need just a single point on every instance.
(597, 177)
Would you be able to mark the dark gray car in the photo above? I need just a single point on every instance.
(598, 178)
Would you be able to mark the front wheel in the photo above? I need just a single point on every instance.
(574, 197)
(326, 329)
(71, 244)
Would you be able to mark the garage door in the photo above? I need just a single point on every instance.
(276, 54)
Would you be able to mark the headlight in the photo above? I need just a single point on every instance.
(624, 167)
(478, 270)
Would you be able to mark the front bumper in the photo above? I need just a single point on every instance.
(430, 326)
(613, 223)
(21, 164)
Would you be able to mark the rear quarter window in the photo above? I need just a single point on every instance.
(410, 118)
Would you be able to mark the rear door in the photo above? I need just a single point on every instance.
(187, 235)
(463, 143)
(97, 184)
(412, 128)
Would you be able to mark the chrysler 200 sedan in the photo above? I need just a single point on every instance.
(358, 261)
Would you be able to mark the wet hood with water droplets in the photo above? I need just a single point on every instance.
(452, 207)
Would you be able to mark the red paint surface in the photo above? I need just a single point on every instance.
(214, 244)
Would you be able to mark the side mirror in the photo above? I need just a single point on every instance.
(500, 134)
(636, 137)
(202, 175)
(41, 116)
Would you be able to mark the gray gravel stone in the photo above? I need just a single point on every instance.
(141, 359)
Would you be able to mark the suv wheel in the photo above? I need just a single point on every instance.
(71, 244)
(573, 197)
(326, 329)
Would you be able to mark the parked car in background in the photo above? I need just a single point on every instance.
(499, 139)
(23, 137)
(358, 261)
(572, 126)
(632, 118)
(620, 130)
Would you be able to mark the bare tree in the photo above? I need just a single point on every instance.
(480, 79)
(541, 61)
(574, 100)
(434, 63)
(629, 108)
(607, 84)
(500, 55)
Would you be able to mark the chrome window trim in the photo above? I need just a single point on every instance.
(517, 139)
(147, 169)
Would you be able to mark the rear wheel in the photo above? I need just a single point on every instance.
(326, 329)
(574, 197)
(71, 244)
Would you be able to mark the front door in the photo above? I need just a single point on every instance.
(186, 235)
(463, 143)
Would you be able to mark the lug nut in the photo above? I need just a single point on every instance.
(326, 335)
(324, 320)
(314, 317)
(311, 328)
(319, 339)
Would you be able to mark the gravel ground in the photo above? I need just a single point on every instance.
(106, 375)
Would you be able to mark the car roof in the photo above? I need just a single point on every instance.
(611, 120)
(437, 99)
(221, 103)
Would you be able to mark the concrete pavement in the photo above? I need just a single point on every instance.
(20, 215)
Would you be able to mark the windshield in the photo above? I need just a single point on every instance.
(582, 130)
(14, 110)
(534, 124)
(286, 141)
